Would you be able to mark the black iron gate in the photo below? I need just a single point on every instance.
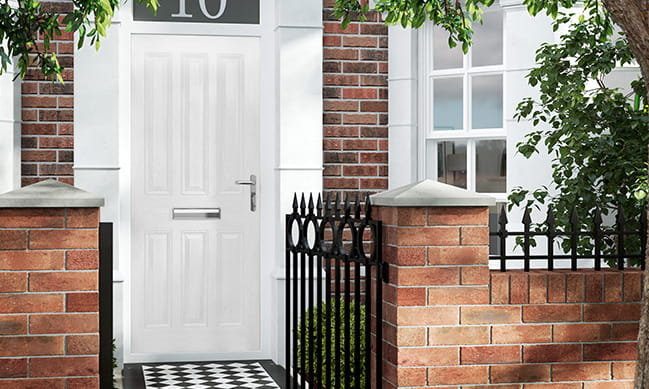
(334, 276)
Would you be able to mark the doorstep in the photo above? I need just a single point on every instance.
(175, 374)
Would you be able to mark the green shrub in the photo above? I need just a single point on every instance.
(328, 361)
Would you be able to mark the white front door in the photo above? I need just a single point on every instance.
(195, 281)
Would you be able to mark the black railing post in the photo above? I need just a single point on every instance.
(303, 298)
(643, 237)
(502, 234)
(574, 237)
(597, 222)
(296, 296)
(318, 248)
(551, 233)
(527, 221)
(287, 330)
(328, 258)
(106, 305)
(347, 340)
(621, 223)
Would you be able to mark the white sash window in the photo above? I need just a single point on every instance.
(463, 139)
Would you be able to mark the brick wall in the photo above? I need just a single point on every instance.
(355, 105)
(49, 298)
(450, 322)
(48, 114)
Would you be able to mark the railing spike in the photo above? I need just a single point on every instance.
(621, 249)
(621, 218)
(550, 219)
(574, 238)
(597, 229)
(303, 205)
(311, 205)
(597, 219)
(337, 205)
(574, 217)
(327, 204)
(502, 220)
(527, 219)
(295, 202)
(357, 207)
(348, 207)
(368, 207)
(319, 205)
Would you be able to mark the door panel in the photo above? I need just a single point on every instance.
(195, 283)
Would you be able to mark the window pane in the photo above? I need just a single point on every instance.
(491, 166)
(443, 56)
(487, 101)
(447, 101)
(487, 38)
(451, 163)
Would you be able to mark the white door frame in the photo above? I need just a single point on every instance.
(266, 191)
(290, 33)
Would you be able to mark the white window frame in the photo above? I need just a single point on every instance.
(427, 164)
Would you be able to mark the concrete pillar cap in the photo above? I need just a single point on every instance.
(429, 193)
(50, 194)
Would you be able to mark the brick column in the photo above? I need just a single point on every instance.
(436, 244)
(49, 325)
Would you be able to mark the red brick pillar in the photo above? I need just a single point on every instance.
(49, 314)
(436, 242)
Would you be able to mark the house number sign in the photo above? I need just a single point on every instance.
(202, 11)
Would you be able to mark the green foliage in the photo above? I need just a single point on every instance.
(308, 338)
(596, 135)
(454, 16)
(23, 24)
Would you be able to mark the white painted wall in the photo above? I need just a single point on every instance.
(299, 106)
(9, 131)
(291, 138)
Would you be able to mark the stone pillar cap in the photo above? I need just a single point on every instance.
(429, 193)
(50, 194)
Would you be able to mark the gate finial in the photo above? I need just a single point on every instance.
(368, 207)
(348, 208)
(327, 205)
(319, 205)
(303, 205)
(311, 204)
(357, 207)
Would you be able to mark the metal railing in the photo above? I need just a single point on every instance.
(106, 305)
(334, 275)
(598, 242)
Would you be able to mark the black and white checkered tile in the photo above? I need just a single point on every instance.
(215, 375)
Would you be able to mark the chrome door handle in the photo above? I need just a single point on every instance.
(252, 182)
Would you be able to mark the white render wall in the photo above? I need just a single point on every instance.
(9, 131)
(299, 106)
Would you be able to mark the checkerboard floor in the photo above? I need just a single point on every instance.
(216, 375)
